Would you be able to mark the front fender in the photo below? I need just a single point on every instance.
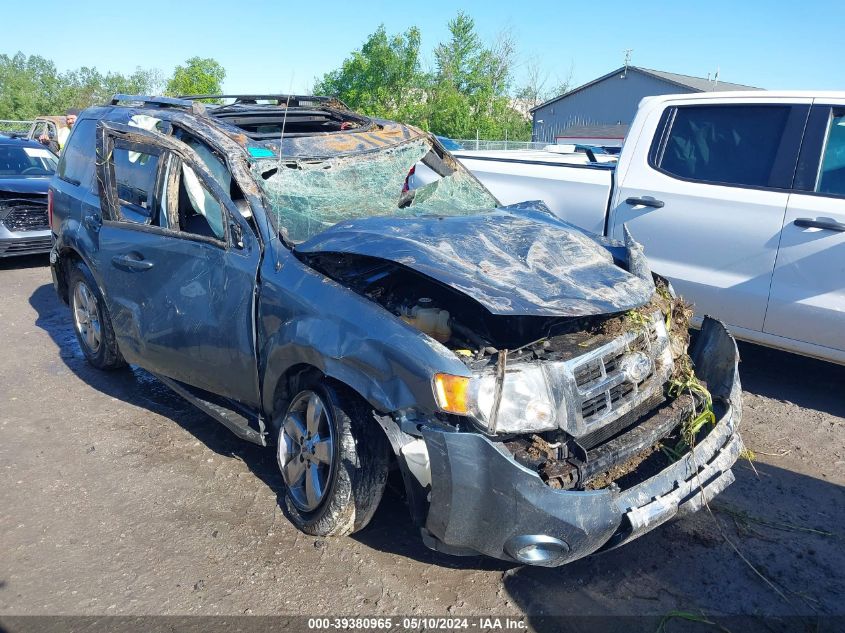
(307, 318)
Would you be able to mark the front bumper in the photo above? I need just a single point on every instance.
(483, 502)
(23, 242)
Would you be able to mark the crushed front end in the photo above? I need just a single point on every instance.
(555, 410)
(618, 467)
(562, 435)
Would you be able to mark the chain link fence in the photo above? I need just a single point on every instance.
(9, 127)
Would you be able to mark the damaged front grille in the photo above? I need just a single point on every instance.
(603, 385)
(598, 405)
(602, 371)
(29, 217)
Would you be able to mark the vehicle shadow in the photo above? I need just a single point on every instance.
(24, 261)
(391, 530)
(788, 526)
(807, 382)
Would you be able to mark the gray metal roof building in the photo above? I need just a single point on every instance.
(604, 107)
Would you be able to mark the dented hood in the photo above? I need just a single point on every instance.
(511, 262)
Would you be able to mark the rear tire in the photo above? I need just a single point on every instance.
(334, 460)
(91, 321)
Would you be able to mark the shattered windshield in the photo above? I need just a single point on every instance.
(308, 196)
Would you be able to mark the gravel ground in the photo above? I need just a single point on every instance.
(119, 498)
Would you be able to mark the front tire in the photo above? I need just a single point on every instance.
(334, 460)
(91, 321)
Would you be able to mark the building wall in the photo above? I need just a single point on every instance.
(613, 100)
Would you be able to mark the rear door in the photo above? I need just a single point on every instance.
(706, 194)
(807, 300)
(178, 262)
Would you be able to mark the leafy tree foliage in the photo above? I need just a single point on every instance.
(199, 76)
(28, 86)
(467, 94)
(381, 79)
(32, 86)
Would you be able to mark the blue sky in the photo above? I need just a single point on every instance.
(275, 46)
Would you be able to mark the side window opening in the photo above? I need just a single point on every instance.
(154, 187)
(199, 211)
(135, 174)
(77, 164)
(220, 171)
(39, 129)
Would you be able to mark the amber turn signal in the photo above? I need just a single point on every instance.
(452, 393)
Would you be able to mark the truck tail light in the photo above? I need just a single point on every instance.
(407, 184)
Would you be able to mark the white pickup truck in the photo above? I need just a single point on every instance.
(738, 198)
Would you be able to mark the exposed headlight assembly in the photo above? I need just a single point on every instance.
(525, 403)
(524, 400)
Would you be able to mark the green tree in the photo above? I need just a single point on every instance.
(198, 76)
(469, 95)
(459, 60)
(29, 86)
(381, 79)
(465, 95)
(85, 86)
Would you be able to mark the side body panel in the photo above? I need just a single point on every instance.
(182, 305)
(306, 318)
(807, 300)
(190, 315)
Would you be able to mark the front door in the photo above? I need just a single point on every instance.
(807, 300)
(178, 262)
(706, 194)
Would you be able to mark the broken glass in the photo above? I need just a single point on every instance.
(308, 196)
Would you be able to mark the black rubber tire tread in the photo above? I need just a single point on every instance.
(362, 459)
(108, 357)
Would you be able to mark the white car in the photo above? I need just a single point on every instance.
(738, 198)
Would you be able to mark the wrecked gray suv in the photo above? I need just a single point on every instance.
(265, 258)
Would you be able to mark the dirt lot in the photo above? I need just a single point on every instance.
(119, 498)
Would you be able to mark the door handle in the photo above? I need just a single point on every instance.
(648, 201)
(810, 223)
(131, 263)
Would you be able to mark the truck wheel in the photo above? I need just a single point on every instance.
(91, 320)
(334, 461)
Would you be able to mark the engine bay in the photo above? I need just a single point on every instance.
(622, 452)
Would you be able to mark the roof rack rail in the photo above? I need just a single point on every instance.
(280, 99)
(193, 106)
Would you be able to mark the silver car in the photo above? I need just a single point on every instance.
(25, 171)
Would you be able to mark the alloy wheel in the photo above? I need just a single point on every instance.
(86, 317)
(306, 450)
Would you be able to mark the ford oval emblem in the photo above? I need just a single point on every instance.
(636, 366)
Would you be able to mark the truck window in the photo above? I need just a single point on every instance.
(77, 162)
(731, 145)
(831, 177)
